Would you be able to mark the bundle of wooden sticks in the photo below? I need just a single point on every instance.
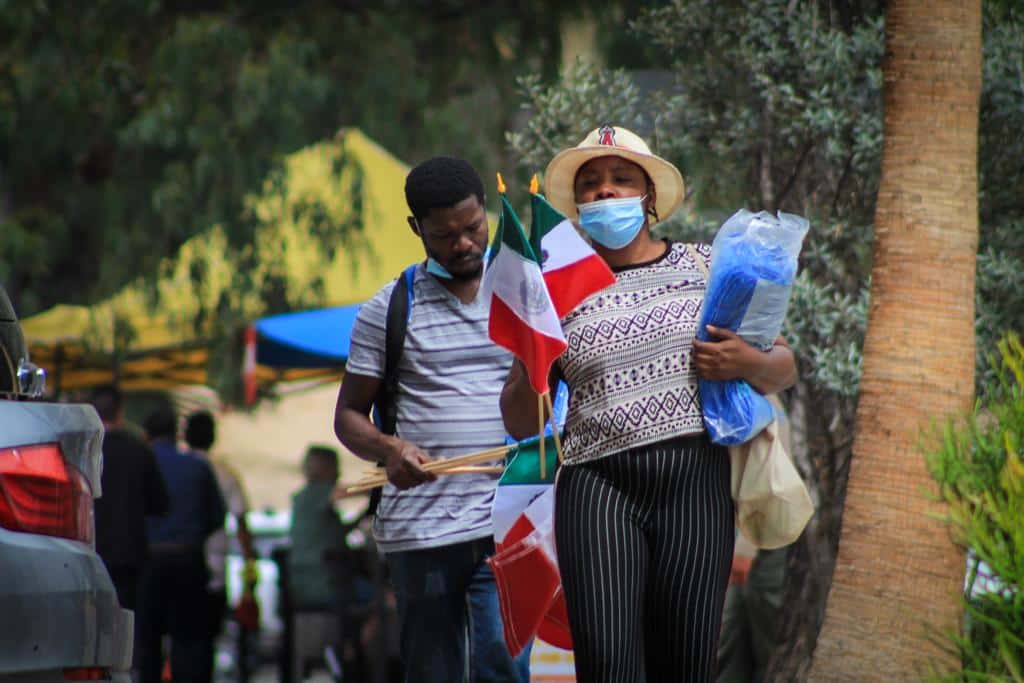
(468, 464)
(462, 464)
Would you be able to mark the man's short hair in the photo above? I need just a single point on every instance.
(108, 401)
(161, 423)
(200, 430)
(440, 183)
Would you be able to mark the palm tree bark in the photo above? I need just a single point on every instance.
(897, 575)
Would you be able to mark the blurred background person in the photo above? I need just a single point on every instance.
(324, 572)
(172, 591)
(200, 433)
(752, 604)
(132, 489)
(753, 601)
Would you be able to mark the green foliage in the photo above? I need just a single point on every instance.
(586, 97)
(827, 328)
(786, 104)
(774, 107)
(1000, 284)
(778, 105)
(439, 78)
(980, 472)
(130, 127)
(1002, 179)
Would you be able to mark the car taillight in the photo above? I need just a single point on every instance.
(41, 494)
(87, 673)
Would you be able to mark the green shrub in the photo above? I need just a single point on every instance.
(979, 469)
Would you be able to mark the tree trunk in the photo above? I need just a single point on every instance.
(897, 576)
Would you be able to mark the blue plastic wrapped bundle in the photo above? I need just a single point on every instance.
(753, 263)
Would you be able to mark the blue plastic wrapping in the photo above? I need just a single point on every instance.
(753, 264)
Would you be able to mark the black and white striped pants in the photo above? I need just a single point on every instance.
(645, 540)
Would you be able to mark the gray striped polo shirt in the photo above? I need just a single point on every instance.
(449, 383)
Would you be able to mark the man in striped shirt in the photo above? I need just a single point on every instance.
(436, 531)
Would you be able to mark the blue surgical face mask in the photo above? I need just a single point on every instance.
(435, 268)
(613, 223)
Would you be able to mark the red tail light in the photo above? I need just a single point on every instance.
(41, 494)
(89, 673)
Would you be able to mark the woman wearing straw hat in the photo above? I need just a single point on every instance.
(644, 514)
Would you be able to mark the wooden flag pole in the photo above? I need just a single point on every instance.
(540, 434)
(554, 427)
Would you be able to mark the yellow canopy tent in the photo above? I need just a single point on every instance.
(147, 345)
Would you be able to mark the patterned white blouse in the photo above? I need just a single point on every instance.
(628, 363)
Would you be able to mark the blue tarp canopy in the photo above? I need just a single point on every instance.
(308, 339)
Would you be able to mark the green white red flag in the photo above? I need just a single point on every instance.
(572, 269)
(523, 318)
(525, 563)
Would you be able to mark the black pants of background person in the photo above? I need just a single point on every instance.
(751, 613)
(173, 601)
(216, 614)
(126, 583)
(346, 645)
(645, 540)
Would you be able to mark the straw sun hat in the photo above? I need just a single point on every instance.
(612, 141)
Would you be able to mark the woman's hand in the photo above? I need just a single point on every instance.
(728, 357)
(519, 409)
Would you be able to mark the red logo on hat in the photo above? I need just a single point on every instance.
(606, 136)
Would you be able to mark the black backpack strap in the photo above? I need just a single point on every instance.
(396, 323)
(395, 326)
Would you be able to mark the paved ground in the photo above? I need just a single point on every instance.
(266, 665)
(269, 675)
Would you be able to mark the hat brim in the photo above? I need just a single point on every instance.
(560, 177)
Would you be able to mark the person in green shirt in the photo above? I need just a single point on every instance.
(323, 572)
(320, 559)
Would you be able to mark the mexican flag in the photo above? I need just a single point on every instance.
(523, 319)
(572, 270)
(525, 563)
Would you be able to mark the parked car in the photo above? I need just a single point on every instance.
(59, 615)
